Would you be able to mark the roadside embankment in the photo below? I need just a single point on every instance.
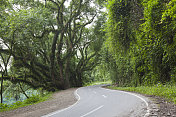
(58, 100)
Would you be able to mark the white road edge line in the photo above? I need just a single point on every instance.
(92, 111)
(107, 89)
(53, 113)
(148, 109)
(104, 96)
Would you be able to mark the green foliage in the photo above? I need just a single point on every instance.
(164, 91)
(32, 100)
(3, 106)
(50, 45)
(18, 103)
(141, 39)
(119, 25)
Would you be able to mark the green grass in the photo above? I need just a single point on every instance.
(32, 100)
(163, 91)
(98, 83)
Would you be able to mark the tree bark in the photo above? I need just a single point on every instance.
(23, 91)
(67, 74)
(52, 58)
(2, 88)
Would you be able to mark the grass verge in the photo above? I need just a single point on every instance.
(32, 100)
(163, 91)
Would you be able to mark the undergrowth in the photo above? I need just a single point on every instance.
(34, 99)
(98, 83)
(163, 91)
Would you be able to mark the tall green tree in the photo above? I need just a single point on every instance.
(45, 38)
(141, 39)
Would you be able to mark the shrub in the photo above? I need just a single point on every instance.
(18, 103)
(3, 106)
(32, 99)
(164, 91)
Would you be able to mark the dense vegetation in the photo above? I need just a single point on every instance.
(51, 45)
(141, 39)
(48, 42)
(167, 92)
(34, 99)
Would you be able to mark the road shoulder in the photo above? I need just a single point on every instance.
(59, 100)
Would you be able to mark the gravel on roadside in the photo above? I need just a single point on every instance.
(58, 101)
(162, 108)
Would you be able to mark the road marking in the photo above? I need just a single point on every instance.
(148, 109)
(104, 96)
(53, 113)
(92, 111)
(94, 92)
(107, 89)
(136, 96)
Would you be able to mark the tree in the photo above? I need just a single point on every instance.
(44, 39)
(4, 65)
(141, 38)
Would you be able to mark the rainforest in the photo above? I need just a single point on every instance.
(51, 45)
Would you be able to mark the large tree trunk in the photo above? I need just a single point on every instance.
(60, 61)
(23, 91)
(52, 59)
(79, 79)
(2, 88)
(61, 70)
(67, 75)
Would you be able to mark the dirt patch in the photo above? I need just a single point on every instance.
(164, 108)
(59, 100)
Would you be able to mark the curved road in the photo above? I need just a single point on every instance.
(94, 101)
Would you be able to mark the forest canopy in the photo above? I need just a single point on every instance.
(50, 43)
(58, 44)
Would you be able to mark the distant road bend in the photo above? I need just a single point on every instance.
(95, 101)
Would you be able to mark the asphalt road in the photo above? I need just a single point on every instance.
(94, 101)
